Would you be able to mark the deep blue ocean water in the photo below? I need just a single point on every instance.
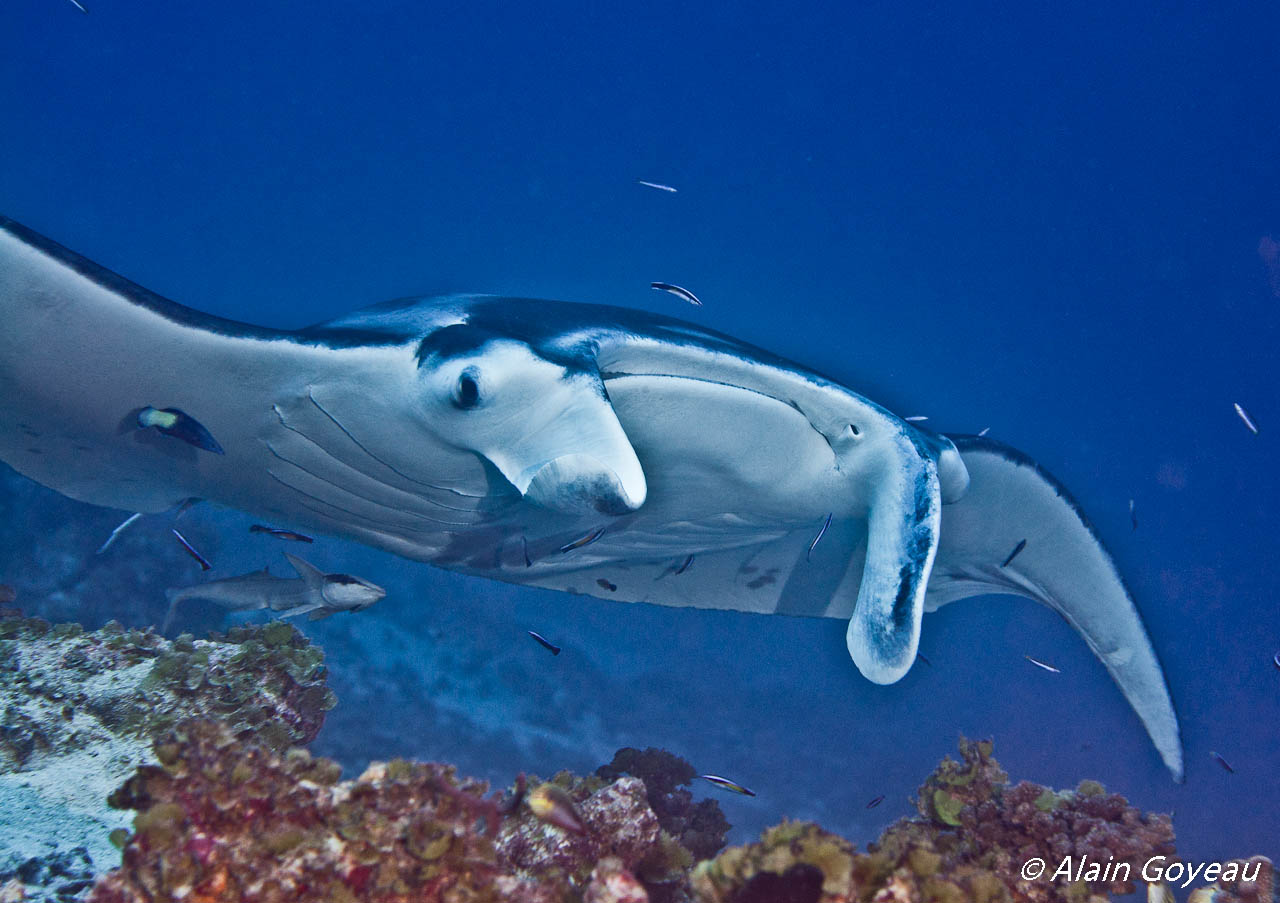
(1051, 220)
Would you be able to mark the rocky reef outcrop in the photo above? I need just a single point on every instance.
(82, 710)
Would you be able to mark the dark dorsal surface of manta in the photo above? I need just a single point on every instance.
(584, 448)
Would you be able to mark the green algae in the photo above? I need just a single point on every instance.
(947, 807)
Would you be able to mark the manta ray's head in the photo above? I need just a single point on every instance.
(543, 421)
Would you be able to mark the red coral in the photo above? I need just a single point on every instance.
(699, 827)
(1001, 827)
(226, 820)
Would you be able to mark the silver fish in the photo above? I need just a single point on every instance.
(312, 592)
(1248, 421)
(657, 185)
(125, 524)
(1039, 664)
(982, 432)
(918, 418)
(80, 6)
(682, 293)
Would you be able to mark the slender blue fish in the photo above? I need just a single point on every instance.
(813, 545)
(682, 293)
(191, 550)
(1014, 554)
(726, 784)
(545, 643)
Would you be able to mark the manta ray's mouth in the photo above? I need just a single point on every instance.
(581, 484)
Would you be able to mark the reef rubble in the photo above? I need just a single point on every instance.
(82, 709)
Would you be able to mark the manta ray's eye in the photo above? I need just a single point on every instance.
(467, 393)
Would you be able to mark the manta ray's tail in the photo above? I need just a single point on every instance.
(1017, 531)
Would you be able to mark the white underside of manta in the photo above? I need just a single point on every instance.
(583, 448)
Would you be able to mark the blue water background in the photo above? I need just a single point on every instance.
(1039, 218)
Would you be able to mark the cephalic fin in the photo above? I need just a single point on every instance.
(902, 539)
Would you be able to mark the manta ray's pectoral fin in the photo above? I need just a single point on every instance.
(902, 538)
(1018, 532)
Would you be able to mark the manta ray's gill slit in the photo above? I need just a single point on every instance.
(383, 528)
(400, 544)
(330, 485)
(360, 445)
(391, 498)
(408, 487)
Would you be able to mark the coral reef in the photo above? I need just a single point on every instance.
(698, 827)
(81, 710)
(1259, 887)
(226, 819)
(970, 843)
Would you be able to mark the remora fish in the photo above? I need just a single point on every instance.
(452, 430)
(312, 592)
(179, 425)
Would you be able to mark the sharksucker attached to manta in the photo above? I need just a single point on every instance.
(578, 447)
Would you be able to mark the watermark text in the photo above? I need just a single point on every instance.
(1153, 871)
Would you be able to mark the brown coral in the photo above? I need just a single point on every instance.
(969, 845)
(698, 827)
(225, 820)
(63, 687)
(1253, 881)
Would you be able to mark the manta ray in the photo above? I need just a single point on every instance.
(584, 448)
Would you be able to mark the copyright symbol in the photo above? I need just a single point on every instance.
(1032, 869)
